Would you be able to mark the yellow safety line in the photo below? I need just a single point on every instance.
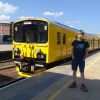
(66, 85)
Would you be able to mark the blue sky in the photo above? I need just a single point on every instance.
(80, 14)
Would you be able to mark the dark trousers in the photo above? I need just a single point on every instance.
(76, 63)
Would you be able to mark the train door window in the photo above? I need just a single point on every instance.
(91, 42)
(64, 38)
(58, 37)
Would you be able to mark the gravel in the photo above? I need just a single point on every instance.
(8, 75)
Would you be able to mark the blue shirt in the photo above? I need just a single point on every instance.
(80, 49)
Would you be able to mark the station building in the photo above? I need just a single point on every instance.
(5, 30)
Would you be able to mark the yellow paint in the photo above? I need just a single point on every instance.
(22, 74)
(59, 91)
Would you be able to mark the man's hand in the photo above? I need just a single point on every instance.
(84, 58)
(72, 57)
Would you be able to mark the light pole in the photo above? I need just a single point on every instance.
(1, 31)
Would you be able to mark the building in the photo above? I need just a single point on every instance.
(6, 28)
(5, 31)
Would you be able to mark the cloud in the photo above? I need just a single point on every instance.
(4, 18)
(25, 17)
(55, 14)
(71, 26)
(6, 8)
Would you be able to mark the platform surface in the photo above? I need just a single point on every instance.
(53, 84)
(6, 47)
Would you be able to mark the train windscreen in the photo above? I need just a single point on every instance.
(31, 31)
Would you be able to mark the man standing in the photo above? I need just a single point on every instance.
(79, 54)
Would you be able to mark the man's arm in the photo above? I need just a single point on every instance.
(72, 52)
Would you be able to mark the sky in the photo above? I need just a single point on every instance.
(79, 14)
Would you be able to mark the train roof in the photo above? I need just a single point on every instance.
(50, 21)
(58, 24)
(64, 26)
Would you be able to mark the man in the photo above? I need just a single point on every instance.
(79, 54)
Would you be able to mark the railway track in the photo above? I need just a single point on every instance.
(4, 61)
(7, 76)
(9, 83)
(6, 64)
(5, 55)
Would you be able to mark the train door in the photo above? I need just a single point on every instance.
(93, 43)
(64, 50)
(70, 38)
(59, 45)
(99, 43)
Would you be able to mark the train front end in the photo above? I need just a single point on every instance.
(30, 45)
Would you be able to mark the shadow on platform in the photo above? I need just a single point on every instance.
(52, 83)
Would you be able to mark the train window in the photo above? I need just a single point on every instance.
(64, 38)
(31, 31)
(58, 38)
(18, 32)
(91, 42)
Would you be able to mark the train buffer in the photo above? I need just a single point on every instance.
(53, 84)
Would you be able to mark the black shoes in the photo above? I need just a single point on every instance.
(83, 87)
(73, 85)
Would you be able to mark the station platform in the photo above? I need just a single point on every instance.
(53, 84)
(5, 47)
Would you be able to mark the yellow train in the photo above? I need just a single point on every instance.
(38, 42)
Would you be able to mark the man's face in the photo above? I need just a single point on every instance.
(80, 36)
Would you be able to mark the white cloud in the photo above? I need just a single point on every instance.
(55, 14)
(4, 18)
(6, 8)
(25, 17)
(71, 26)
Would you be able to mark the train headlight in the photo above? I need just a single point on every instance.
(41, 56)
(38, 50)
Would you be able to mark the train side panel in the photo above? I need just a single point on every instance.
(60, 41)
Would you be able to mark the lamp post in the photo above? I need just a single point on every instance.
(1, 31)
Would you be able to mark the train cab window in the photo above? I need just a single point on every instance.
(64, 38)
(58, 37)
(32, 31)
(18, 32)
